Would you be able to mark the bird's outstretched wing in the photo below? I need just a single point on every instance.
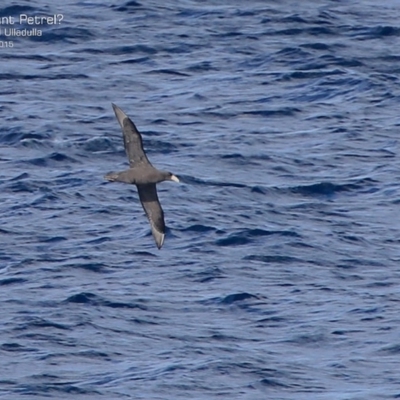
(152, 207)
(132, 139)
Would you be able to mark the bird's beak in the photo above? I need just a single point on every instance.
(174, 178)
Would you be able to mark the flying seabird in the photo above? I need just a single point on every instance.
(142, 174)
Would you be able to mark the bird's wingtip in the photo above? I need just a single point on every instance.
(119, 114)
(160, 241)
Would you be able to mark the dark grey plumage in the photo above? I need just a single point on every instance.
(142, 174)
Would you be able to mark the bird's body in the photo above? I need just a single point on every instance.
(138, 176)
(142, 174)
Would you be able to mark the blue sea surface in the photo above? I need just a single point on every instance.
(279, 277)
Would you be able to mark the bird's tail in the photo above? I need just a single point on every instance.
(112, 176)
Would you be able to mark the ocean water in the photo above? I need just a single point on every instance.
(280, 273)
